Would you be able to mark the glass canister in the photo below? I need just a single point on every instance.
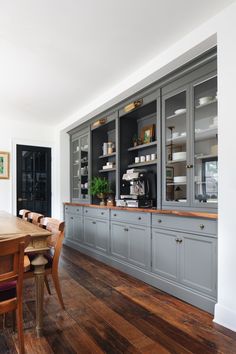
(109, 147)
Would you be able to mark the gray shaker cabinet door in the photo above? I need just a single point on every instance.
(139, 238)
(198, 263)
(102, 235)
(78, 229)
(165, 254)
(119, 240)
(69, 225)
(89, 231)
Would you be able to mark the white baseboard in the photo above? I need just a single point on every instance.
(225, 317)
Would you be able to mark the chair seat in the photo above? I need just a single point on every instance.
(7, 290)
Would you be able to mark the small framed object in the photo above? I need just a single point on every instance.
(170, 174)
(4, 164)
(148, 133)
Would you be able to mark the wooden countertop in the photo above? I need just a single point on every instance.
(195, 214)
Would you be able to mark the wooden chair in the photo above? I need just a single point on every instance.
(23, 213)
(11, 279)
(34, 218)
(55, 241)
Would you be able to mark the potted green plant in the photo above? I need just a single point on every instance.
(100, 187)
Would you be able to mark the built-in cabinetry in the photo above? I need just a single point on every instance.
(80, 171)
(168, 131)
(190, 151)
(174, 253)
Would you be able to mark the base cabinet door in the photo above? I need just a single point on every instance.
(165, 254)
(89, 231)
(74, 227)
(139, 247)
(102, 235)
(198, 263)
(78, 229)
(119, 240)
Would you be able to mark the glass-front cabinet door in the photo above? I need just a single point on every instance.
(205, 143)
(80, 168)
(175, 112)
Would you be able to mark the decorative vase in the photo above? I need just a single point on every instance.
(102, 196)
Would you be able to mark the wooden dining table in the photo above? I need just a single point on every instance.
(11, 226)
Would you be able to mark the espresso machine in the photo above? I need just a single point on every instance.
(137, 184)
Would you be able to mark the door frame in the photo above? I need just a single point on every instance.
(14, 169)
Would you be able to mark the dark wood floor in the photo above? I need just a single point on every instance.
(110, 312)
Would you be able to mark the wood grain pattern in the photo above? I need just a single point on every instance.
(108, 311)
(195, 214)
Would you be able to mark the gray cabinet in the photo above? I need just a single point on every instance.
(186, 258)
(96, 233)
(189, 134)
(165, 255)
(80, 166)
(131, 243)
(198, 262)
(74, 225)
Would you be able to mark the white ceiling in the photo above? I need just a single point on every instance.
(56, 56)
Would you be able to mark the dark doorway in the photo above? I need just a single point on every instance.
(34, 179)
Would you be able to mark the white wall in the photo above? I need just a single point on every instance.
(12, 133)
(224, 26)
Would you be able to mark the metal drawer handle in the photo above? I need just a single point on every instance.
(94, 222)
(139, 218)
(72, 217)
(77, 209)
(102, 213)
(202, 226)
(86, 211)
(159, 220)
(126, 229)
(189, 166)
(114, 214)
(180, 240)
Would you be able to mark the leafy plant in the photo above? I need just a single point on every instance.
(99, 185)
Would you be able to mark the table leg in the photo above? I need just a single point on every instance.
(39, 270)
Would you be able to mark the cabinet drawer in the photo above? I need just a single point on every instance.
(131, 217)
(71, 209)
(194, 225)
(96, 213)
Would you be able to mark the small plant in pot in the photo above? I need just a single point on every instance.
(100, 187)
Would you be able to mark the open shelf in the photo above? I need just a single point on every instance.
(108, 155)
(107, 170)
(146, 163)
(143, 146)
(176, 184)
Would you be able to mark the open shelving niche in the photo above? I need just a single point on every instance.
(103, 134)
(131, 124)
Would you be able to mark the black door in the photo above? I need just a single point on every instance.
(34, 179)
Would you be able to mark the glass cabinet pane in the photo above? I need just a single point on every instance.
(84, 167)
(205, 142)
(75, 169)
(176, 148)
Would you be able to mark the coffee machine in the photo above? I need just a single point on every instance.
(137, 184)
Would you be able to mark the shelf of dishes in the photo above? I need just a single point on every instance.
(83, 148)
(200, 134)
(202, 102)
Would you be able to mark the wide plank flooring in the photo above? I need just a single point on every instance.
(110, 312)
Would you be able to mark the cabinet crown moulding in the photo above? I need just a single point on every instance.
(133, 105)
(99, 122)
